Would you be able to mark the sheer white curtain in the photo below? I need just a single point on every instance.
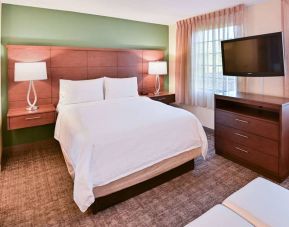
(207, 74)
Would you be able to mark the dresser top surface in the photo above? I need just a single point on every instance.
(253, 97)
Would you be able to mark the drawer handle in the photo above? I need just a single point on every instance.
(242, 121)
(240, 149)
(32, 118)
(160, 99)
(238, 134)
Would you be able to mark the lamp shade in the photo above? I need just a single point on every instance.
(158, 68)
(25, 71)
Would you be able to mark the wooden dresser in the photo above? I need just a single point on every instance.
(253, 130)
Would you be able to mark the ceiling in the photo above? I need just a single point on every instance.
(153, 11)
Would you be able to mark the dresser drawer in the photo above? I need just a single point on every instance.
(248, 124)
(259, 143)
(31, 120)
(247, 154)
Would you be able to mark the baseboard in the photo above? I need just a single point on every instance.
(209, 130)
(33, 145)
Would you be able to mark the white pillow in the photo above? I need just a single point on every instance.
(79, 91)
(120, 87)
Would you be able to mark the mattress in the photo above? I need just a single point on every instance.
(112, 139)
(139, 176)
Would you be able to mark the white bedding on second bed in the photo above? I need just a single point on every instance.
(110, 139)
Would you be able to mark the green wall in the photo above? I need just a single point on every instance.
(35, 26)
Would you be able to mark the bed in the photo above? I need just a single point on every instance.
(157, 142)
(112, 145)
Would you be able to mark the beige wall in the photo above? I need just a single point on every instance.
(264, 18)
(260, 18)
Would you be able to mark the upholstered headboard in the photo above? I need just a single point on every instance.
(77, 64)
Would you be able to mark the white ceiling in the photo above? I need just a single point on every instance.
(153, 11)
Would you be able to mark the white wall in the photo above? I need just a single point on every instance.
(260, 18)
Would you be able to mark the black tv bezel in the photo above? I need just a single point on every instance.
(250, 74)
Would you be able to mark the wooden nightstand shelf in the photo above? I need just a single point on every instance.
(21, 118)
(164, 97)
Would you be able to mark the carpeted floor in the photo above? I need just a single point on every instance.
(36, 190)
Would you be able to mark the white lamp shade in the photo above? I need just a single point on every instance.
(25, 71)
(158, 68)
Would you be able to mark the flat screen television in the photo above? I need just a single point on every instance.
(257, 56)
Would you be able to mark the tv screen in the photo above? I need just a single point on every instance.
(253, 56)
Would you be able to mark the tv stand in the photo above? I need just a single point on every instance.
(253, 130)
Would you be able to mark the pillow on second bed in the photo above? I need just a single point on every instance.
(79, 91)
(120, 87)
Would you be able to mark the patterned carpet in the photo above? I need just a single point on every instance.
(36, 190)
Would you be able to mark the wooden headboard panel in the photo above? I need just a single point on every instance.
(78, 64)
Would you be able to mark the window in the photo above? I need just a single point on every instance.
(207, 63)
(199, 62)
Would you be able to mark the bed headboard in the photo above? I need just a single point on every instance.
(77, 64)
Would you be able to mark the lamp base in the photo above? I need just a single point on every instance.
(157, 85)
(31, 108)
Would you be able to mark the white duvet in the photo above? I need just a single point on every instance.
(110, 139)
